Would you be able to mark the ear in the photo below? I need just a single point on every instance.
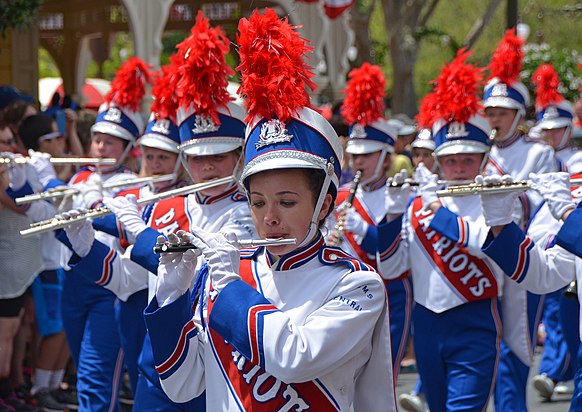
(327, 204)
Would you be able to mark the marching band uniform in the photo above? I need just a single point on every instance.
(517, 155)
(228, 211)
(531, 265)
(554, 115)
(280, 338)
(456, 321)
(370, 133)
(88, 309)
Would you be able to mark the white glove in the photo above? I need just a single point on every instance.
(41, 162)
(427, 184)
(497, 207)
(397, 193)
(221, 253)
(90, 192)
(16, 171)
(353, 222)
(81, 234)
(555, 189)
(176, 271)
(125, 209)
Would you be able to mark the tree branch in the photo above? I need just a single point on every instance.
(422, 20)
(480, 24)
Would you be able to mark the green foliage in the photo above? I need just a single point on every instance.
(17, 14)
(566, 62)
(46, 65)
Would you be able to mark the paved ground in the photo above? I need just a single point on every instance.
(535, 403)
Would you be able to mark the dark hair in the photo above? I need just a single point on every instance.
(14, 112)
(315, 180)
(34, 127)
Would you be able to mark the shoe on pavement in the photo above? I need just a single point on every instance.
(66, 397)
(4, 407)
(412, 402)
(19, 405)
(47, 402)
(544, 385)
(564, 388)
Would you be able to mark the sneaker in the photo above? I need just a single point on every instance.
(66, 397)
(412, 402)
(564, 388)
(47, 402)
(544, 385)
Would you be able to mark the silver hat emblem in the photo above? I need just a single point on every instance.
(358, 132)
(457, 129)
(204, 124)
(162, 126)
(113, 115)
(272, 131)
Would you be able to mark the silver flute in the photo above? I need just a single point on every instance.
(60, 222)
(474, 189)
(109, 161)
(242, 244)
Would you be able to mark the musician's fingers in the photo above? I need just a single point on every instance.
(160, 240)
(479, 179)
(506, 179)
(492, 180)
(173, 239)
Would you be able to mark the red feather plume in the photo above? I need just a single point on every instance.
(365, 91)
(547, 81)
(165, 102)
(274, 73)
(203, 72)
(128, 87)
(507, 59)
(455, 96)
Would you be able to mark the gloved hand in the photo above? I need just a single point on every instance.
(353, 222)
(427, 185)
(397, 193)
(125, 209)
(555, 189)
(497, 207)
(221, 253)
(41, 162)
(90, 192)
(176, 271)
(81, 234)
(16, 171)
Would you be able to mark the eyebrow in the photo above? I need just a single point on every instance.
(284, 192)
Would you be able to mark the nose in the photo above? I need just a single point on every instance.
(271, 217)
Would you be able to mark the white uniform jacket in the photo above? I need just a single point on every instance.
(307, 332)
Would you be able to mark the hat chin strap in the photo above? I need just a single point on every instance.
(378, 168)
(565, 136)
(314, 224)
(513, 127)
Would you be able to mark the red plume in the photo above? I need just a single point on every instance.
(274, 73)
(547, 81)
(507, 59)
(128, 87)
(365, 91)
(456, 93)
(165, 102)
(203, 74)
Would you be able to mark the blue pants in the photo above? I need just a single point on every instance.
(400, 306)
(570, 320)
(556, 359)
(576, 405)
(457, 353)
(510, 390)
(149, 395)
(132, 330)
(93, 337)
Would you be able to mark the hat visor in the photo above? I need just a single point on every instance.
(504, 102)
(112, 130)
(210, 146)
(363, 146)
(159, 142)
(553, 123)
(451, 148)
(423, 145)
(278, 163)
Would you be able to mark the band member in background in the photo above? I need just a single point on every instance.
(211, 134)
(370, 147)
(506, 100)
(456, 324)
(320, 316)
